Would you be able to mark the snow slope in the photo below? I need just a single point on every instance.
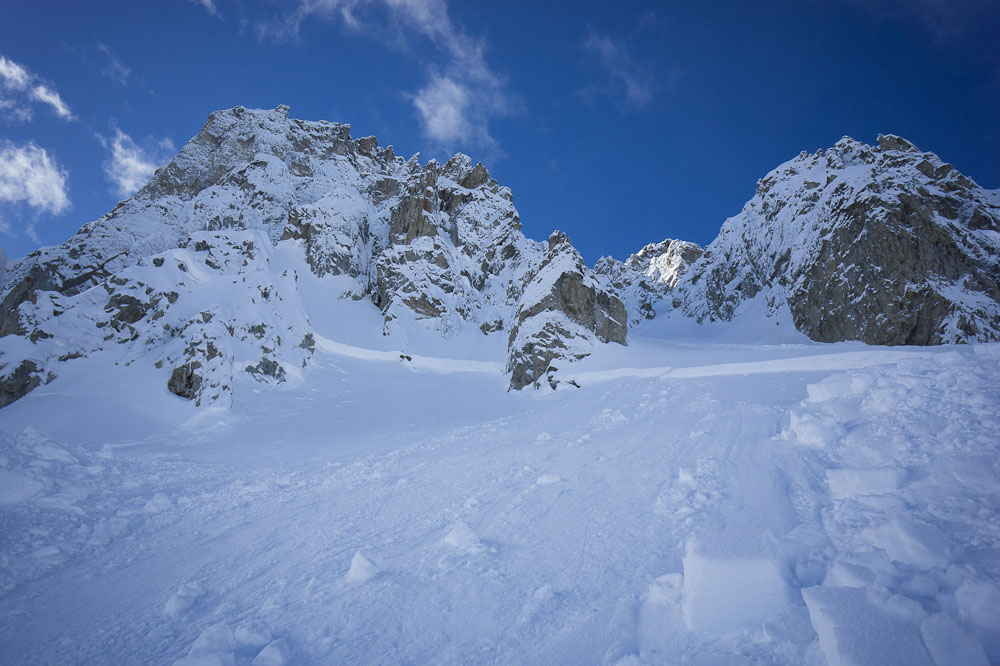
(719, 503)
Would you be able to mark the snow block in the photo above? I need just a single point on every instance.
(216, 640)
(277, 653)
(813, 429)
(979, 607)
(731, 582)
(461, 537)
(847, 483)
(15, 487)
(253, 633)
(848, 574)
(855, 632)
(949, 644)
(915, 543)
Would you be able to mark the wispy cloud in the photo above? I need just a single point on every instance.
(462, 92)
(945, 20)
(21, 89)
(114, 69)
(623, 77)
(129, 165)
(208, 6)
(30, 176)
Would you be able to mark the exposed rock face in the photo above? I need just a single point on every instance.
(563, 302)
(19, 382)
(648, 276)
(169, 307)
(884, 244)
(185, 381)
(194, 269)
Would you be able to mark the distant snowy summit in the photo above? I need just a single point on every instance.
(200, 276)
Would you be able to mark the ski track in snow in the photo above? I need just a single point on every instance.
(823, 508)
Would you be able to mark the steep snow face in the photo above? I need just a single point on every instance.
(437, 248)
(884, 244)
(648, 276)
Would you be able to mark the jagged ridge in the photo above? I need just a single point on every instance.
(439, 246)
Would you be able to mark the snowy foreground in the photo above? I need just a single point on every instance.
(693, 502)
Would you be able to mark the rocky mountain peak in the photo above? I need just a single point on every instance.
(648, 276)
(198, 269)
(200, 273)
(884, 244)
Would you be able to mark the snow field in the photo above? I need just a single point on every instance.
(381, 515)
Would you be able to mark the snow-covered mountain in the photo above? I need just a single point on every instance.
(199, 273)
(199, 268)
(648, 276)
(885, 244)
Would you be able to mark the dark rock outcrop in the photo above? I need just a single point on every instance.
(563, 305)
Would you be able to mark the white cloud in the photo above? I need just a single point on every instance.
(462, 93)
(208, 6)
(115, 69)
(21, 88)
(130, 166)
(443, 106)
(625, 78)
(14, 76)
(29, 175)
(43, 93)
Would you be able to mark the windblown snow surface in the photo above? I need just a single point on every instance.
(702, 498)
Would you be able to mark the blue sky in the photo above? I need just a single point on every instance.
(620, 123)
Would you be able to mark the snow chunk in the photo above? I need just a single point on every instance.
(217, 639)
(362, 569)
(731, 583)
(462, 537)
(847, 574)
(15, 487)
(158, 504)
(814, 429)
(183, 598)
(277, 653)
(979, 606)
(548, 479)
(915, 543)
(847, 483)
(253, 633)
(949, 644)
(855, 632)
